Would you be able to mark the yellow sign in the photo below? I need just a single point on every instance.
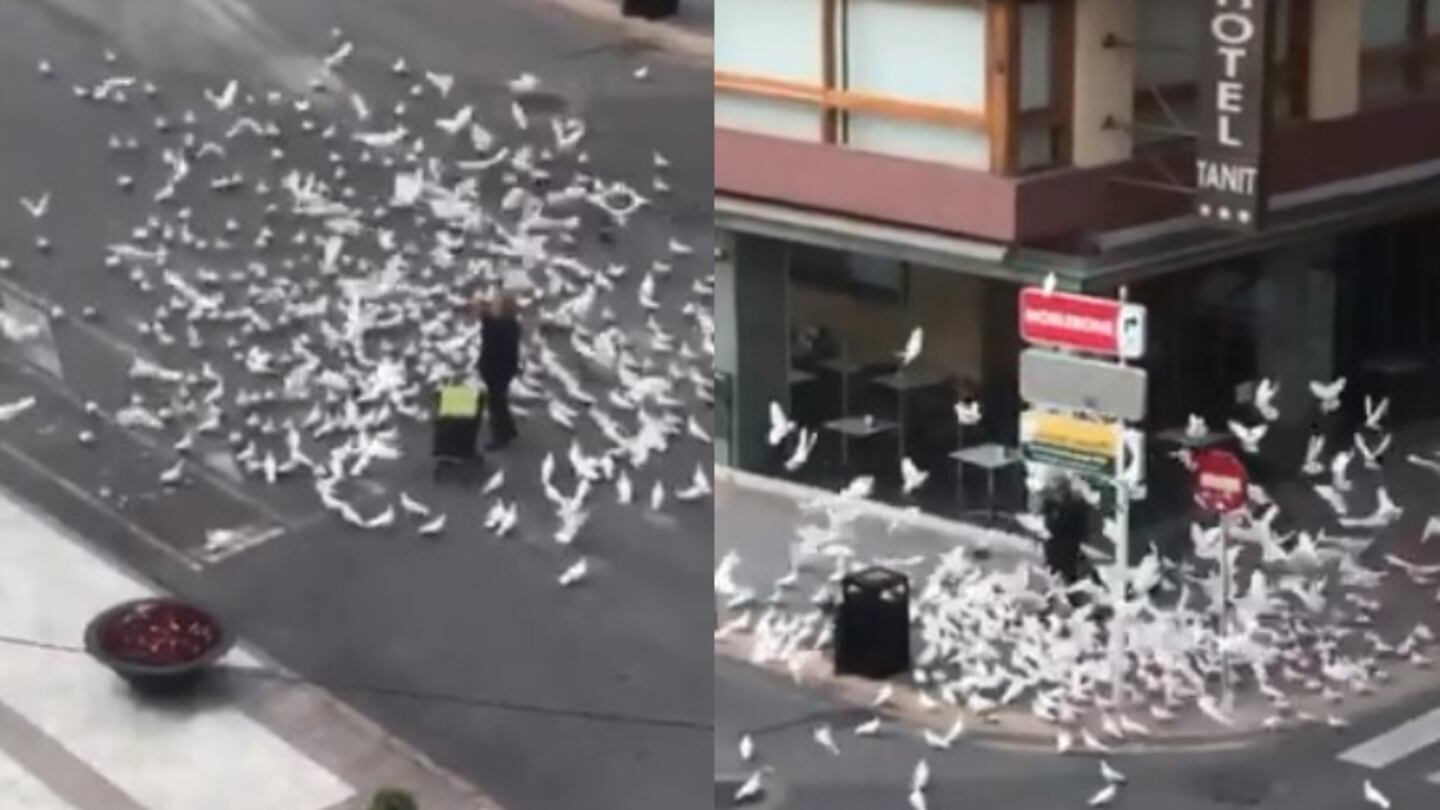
(1070, 442)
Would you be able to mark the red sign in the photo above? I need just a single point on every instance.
(1220, 481)
(1080, 322)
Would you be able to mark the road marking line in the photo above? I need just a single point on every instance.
(213, 756)
(21, 791)
(140, 532)
(200, 470)
(1397, 743)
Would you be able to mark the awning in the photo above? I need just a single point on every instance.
(852, 235)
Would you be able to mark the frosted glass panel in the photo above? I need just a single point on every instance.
(768, 116)
(920, 140)
(921, 50)
(1383, 22)
(1165, 25)
(1035, 50)
(777, 39)
(1036, 146)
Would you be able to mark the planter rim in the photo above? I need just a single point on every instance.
(222, 644)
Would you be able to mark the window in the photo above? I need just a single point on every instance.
(1401, 40)
(772, 46)
(856, 274)
(941, 63)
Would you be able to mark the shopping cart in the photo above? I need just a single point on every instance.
(459, 412)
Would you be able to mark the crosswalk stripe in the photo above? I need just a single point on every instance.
(21, 791)
(216, 758)
(1397, 743)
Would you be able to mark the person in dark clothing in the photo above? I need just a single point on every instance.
(499, 363)
(1067, 518)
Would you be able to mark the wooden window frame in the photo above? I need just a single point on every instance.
(1001, 119)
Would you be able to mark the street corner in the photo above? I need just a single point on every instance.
(901, 706)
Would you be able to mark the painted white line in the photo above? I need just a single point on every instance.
(140, 532)
(1397, 743)
(215, 757)
(21, 791)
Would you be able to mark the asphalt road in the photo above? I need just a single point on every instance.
(1300, 769)
(589, 698)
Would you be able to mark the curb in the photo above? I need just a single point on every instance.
(670, 37)
(904, 709)
(968, 533)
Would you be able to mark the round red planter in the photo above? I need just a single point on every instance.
(157, 644)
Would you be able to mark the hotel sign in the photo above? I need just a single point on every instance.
(1234, 113)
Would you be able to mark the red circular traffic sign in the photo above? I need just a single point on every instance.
(1220, 481)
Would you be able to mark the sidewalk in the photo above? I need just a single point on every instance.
(758, 519)
(691, 33)
(73, 737)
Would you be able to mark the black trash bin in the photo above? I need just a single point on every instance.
(872, 625)
(650, 9)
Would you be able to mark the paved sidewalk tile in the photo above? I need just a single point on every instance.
(73, 735)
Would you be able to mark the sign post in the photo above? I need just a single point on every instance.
(1235, 113)
(1220, 481)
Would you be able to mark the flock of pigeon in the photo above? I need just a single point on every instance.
(309, 260)
(1305, 627)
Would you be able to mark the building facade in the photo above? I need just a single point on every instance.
(885, 164)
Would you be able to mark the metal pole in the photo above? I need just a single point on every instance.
(1120, 580)
(1227, 674)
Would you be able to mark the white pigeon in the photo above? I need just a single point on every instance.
(914, 477)
(657, 496)
(1265, 392)
(944, 741)
(1432, 528)
(225, 99)
(172, 475)
(913, 346)
(1195, 427)
(883, 696)
(699, 486)
(825, 737)
(1249, 436)
(1371, 455)
(1104, 796)
(37, 207)
(493, 483)
(1111, 775)
(1375, 412)
(1375, 797)
(780, 424)
(869, 728)
(920, 777)
(1328, 394)
(441, 82)
(460, 120)
(10, 410)
(624, 490)
(968, 413)
(413, 507)
(434, 526)
(804, 446)
(383, 520)
(747, 748)
(1338, 467)
(753, 787)
(574, 573)
(524, 83)
(1314, 449)
(918, 801)
(642, 73)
